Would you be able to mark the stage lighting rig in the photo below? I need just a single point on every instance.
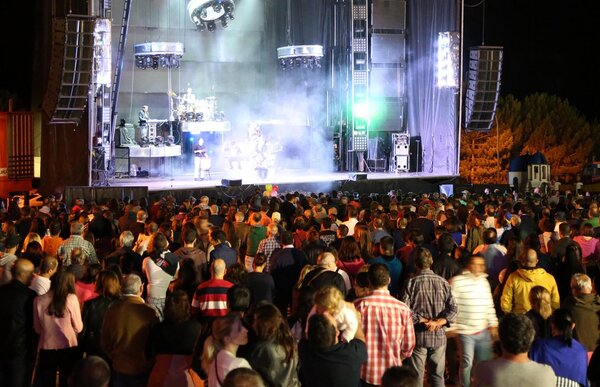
(209, 12)
(303, 56)
(154, 55)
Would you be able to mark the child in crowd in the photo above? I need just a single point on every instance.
(329, 299)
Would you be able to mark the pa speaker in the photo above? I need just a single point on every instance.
(231, 183)
(485, 69)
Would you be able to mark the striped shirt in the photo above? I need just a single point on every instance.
(211, 298)
(389, 333)
(429, 296)
(475, 304)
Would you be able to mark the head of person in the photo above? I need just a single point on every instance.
(342, 231)
(22, 271)
(218, 268)
(132, 285)
(386, 246)
(238, 299)
(361, 284)
(541, 301)
(160, 243)
(108, 284)
(529, 260)
(516, 333)
(126, 239)
(76, 228)
(327, 260)
(287, 238)
(322, 330)
(260, 260)
(562, 325)
(399, 376)
(490, 236)
(92, 371)
(379, 276)
(476, 265)
(229, 330)
(270, 325)
(564, 229)
(243, 377)
(61, 288)
(423, 258)
(329, 299)
(177, 309)
(581, 284)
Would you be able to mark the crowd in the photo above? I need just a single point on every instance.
(302, 290)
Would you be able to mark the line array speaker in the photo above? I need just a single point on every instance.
(485, 69)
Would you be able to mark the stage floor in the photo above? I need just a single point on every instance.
(289, 178)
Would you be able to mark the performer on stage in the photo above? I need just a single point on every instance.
(201, 160)
(143, 118)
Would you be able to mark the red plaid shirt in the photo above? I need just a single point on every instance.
(389, 332)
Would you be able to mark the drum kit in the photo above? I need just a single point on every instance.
(204, 109)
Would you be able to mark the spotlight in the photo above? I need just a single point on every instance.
(212, 26)
(210, 12)
(156, 55)
(224, 22)
(231, 16)
(305, 56)
(201, 27)
(217, 8)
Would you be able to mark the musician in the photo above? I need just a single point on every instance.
(143, 115)
(201, 160)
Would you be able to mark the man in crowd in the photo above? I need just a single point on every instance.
(76, 241)
(41, 282)
(514, 367)
(388, 327)
(271, 243)
(210, 299)
(189, 250)
(286, 265)
(584, 305)
(430, 299)
(394, 265)
(124, 257)
(222, 250)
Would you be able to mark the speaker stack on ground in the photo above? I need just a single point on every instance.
(485, 69)
(400, 152)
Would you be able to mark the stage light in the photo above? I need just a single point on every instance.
(361, 110)
(448, 59)
(209, 12)
(154, 55)
(303, 56)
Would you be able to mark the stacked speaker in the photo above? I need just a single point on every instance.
(485, 69)
(400, 152)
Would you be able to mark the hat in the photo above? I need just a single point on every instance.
(276, 216)
(45, 210)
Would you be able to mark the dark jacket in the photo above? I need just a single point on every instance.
(92, 316)
(268, 359)
(16, 321)
(585, 308)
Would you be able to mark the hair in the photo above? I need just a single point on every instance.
(330, 299)
(78, 256)
(126, 239)
(92, 371)
(177, 309)
(259, 259)
(587, 230)
(362, 279)
(243, 377)
(189, 233)
(386, 244)
(236, 274)
(221, 328)
(131, 284)
(562, 320)
(160, 242)
(516, 333)
(238, 298)
(218, 236)
(399, 376)
(349, 249)
(446, 243)
(34, 252)
(540, 300)
(62, 286)
(423, 258)
(343, 230)
(379, 275)
(564, 229)
(270, 325)
(55, 228)
(287, 238)
(47, 264)
(321, 332)
(108, 284)
(581, 283)
(490, 236)
(90, 273)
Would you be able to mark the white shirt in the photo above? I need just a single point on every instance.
(224, 362)
(350, 223)
(475, 304)
(40, 285)
(158, 279)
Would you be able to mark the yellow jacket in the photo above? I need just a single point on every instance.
(515, 296)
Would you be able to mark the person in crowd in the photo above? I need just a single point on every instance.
(476, 321)
(17, 348)
(429, 297)
(474, 230)
(259, 282)
(76, 241)
(349, 258)
(564, 240)
(423, 224)
(160, 268)
(210, 299)
(256, 233)
(590, 250)
(8, 258)
(270, 244)
(540, 312)
(351, 220)
(514, 368)
(326, 273)
(515, 295)
(274, 354)
(388, 323)
(125, 331)
(494, 254)
(85, 286)
(143, 241)
(41, 281)
(187, 278)
(189, 234)
(222, 249)
(238, 299)
(243, 377)
(399, 377)
(220, 349)
(92, 371)
(327, 361)
(53, 241)
(313, 246)
(444, 264)
(568, 266)
(567, 356)
(286, 267)
(329, 299)
(394, 265)
(124, 256)
(32, 249)
(108, 288)
(57, 319)
(584, 305)
(172, 344)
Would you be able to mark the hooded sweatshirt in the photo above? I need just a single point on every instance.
(584, 308)
(515, 296)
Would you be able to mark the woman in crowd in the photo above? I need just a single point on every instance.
(85, 287)
(363, 238)
(172, 343)
(57, 319)
(540, 311)
(590, 250)
(474, 232)
(567, 357)
(350, 259)
(274, 355)
(568, 265)
(108, 288)
(220, 349)
(34, 252)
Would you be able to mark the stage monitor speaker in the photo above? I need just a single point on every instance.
(70, 72)
(356, 176)
(485, 69)
(231, 182)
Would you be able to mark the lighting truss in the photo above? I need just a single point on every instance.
(205, 14)
(303, 56)
(448, 59)
(155, 55)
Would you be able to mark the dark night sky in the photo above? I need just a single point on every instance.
(549, 46)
